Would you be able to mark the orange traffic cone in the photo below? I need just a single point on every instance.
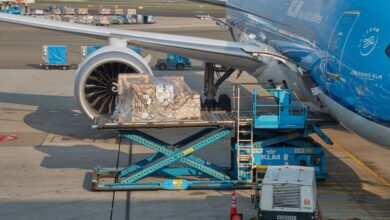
(233, 208)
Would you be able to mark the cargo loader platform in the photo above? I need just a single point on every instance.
(276, 131)
(208, 119)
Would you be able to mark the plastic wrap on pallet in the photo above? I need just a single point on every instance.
(53, 17)
(56, 11)
(101, 20)
(85, 19)
(116, 20)
(68, 11)
(142, 97)
(104, 11)
(82, 11)
(131, 11)
(69, 18)
(119, 11)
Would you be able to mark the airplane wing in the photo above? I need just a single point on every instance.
(214, 2)
(234, 54)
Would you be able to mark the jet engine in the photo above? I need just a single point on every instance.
(96, 82)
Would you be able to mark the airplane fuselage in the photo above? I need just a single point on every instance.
(343, 46)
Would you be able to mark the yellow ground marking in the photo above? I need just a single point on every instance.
(363, 165)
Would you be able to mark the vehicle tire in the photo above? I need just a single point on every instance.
(225, 103)
(180, 67)
(64, 68)
(46, 67)
(162, 67)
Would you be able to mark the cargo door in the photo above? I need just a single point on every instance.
(338, 41)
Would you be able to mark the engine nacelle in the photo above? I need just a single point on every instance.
(97, 78)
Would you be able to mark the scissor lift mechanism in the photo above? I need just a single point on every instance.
(217, 125)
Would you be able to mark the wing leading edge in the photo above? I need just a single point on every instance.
(214, 51)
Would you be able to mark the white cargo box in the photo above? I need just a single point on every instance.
(38, 12)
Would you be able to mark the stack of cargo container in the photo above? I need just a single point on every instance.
(102, 17)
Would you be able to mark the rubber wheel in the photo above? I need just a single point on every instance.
(46, 67)
(162, 67)
(180, 66)
(64, 68)
(225, 103)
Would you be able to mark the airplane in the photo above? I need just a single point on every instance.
(333, 53)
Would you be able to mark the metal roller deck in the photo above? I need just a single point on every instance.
(208, 119)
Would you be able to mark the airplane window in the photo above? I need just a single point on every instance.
(388, 50)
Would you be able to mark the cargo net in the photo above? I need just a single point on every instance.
(142, 97)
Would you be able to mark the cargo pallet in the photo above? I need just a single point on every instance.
(287, 132)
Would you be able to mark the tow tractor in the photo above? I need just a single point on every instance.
(173, 61)
(272, 128)
(10, 7)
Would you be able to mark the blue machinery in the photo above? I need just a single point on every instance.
(276, 133)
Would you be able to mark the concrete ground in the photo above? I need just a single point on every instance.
(48, 150)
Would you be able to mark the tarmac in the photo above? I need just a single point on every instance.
(48, 149)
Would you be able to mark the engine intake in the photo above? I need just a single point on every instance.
(97, 77)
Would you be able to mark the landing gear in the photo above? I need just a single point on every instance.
(211, 88)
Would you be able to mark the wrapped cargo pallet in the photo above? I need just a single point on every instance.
(69, 11)
(69, 18)
(85, 19)
(131, 11)
(56, 11)
(82, 11)
(101, 20)
(118, 11)
(104, 11)
(142, 97)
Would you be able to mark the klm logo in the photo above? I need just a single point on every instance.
(270, 157)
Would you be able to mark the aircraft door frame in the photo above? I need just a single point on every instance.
(339, 38)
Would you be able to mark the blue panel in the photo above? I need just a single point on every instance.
(91, 49)
(56, 55)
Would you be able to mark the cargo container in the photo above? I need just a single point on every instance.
(104, 11)
(116, 20)
(38, 12)
(140, 19)
(54, 56)
(82, 11)
(53, 17)
(69, 11)
(69, 18)
(129, 19)
(148, 19)
(55, 11)
(85, 19)
(131, 11)
(101, 20)
(119, 11)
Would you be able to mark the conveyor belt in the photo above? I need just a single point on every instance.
(208, 119)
